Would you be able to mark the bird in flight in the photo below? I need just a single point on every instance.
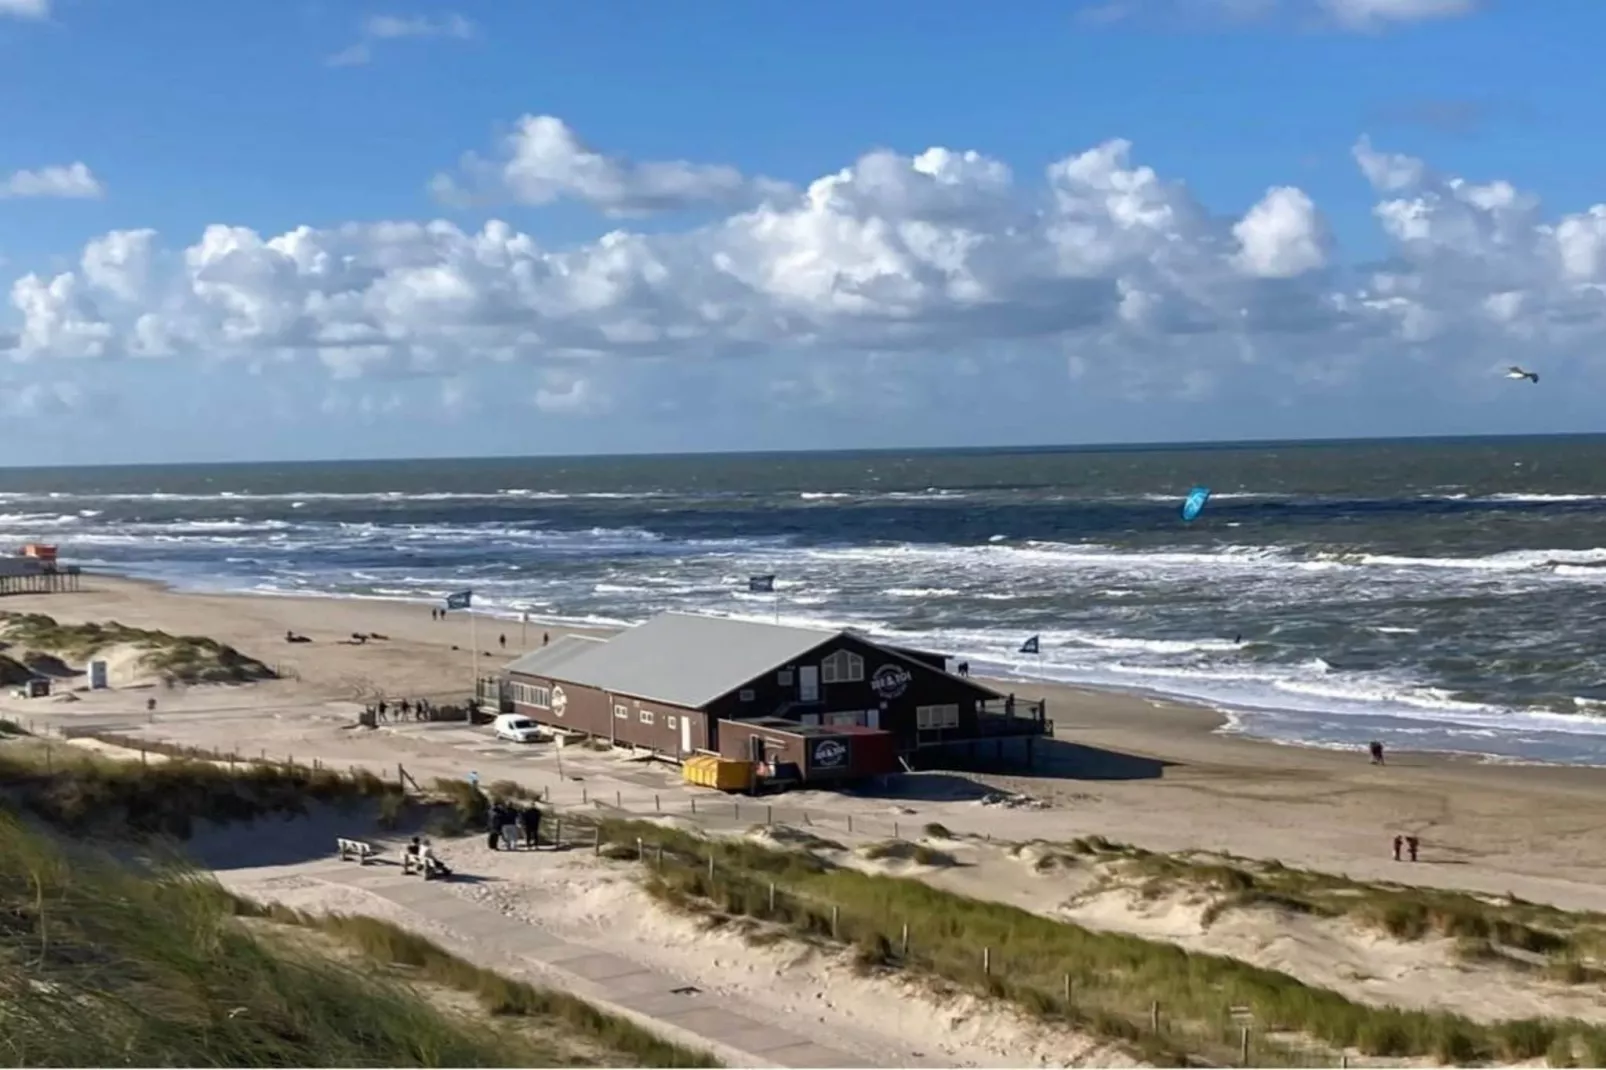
(1515, 372)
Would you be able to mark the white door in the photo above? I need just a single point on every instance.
(808, 683)
(874, 719)
(685, 734)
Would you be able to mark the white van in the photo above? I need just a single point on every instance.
(516, 728)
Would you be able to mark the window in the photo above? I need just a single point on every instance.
(646, 717)
(746, 694)
(670, 721)
(843, 667)
(532, 695)
(850, 717)
(784, 678)
(933, 717)
(621, 713)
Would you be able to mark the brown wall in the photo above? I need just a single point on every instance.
(591, 711)
(927, 686)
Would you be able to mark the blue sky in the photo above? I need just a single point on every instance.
(920, 303)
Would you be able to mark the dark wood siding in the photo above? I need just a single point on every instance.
(592, 711)
(924, 686)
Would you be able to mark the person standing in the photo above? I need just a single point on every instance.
(495, 818)
(1411, 845)
(1399, 844)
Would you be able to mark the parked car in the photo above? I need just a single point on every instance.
(516, 728)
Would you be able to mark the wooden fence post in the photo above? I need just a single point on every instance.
(660, 856)
(694, 804)
(657, 803)
(710, 865)
(640, 851)
(772, 897)
(905, 940)
(836, 920)
(1154, 1017)
(850, 822)
(557, 831)
(584, 797)
(1070, 993)
(896, 834)
(619, 800)
(736, 810)
(769, 815)
(1243, 1045)
(986, 962)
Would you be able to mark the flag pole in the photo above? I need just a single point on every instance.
(474, 641)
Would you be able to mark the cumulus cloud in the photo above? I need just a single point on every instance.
(74, 181)
(378, 28)
(944, 256)
(543, 160)
(25, 9)
(1373, 14)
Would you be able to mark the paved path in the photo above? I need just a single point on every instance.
(696, 1019)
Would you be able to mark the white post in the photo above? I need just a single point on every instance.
(474, 641)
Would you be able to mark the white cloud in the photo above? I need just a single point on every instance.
(944, 259)
(543, 160)
(25, 9)
(73, 181)
(1352, 15)
(397, 27)
(1373, 14)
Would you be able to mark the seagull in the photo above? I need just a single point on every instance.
(1515, 372)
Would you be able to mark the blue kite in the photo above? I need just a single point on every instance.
(1195, 503)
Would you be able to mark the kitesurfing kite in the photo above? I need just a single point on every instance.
(1515, 372)
(1195, 503)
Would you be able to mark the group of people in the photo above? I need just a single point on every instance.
(507, 823)
(382, 710)
(421, 857)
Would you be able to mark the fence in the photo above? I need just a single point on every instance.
(917, 943)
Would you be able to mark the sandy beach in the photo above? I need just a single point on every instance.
(1138, 770)
(1134, 770)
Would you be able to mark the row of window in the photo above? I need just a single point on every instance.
(932, 717)
(843, 667)
(622, 713)
(532, 695)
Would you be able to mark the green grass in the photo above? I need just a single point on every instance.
(189, 659)
(1115, 977)
(84, 793)
(1572, 941)
(390, 945)
(105, 965)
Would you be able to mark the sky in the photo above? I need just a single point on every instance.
(276, 229)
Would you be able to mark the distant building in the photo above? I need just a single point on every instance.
(667, 684)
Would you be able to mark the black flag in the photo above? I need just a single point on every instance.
(761, 584)
(1033, 645)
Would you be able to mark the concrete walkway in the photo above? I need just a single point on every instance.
(695, 1019)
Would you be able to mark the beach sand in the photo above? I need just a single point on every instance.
(1133, 769)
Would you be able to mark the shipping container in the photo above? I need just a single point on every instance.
(786, 751)
(872, 752)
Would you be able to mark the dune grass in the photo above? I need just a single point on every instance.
(1570, 944)
(1115, 979)
(85, 793)
(190, 659)
(102, 965)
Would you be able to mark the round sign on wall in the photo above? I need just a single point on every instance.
(890, 681)
(829, 753)
(559, 701)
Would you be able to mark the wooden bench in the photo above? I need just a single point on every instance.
(361, 850)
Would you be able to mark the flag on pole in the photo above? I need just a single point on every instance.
(761, 584)
(1033, 645)
(460, 600)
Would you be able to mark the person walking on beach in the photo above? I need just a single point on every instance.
(1377, 752)
(1411, 844)
(1399, 842)
(502, 639)
(545, 638)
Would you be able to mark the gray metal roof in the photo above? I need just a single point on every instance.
(548, 658)
(683, 659)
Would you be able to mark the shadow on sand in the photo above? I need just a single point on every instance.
(1051, 757)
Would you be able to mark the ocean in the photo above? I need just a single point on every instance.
(1441, 595)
